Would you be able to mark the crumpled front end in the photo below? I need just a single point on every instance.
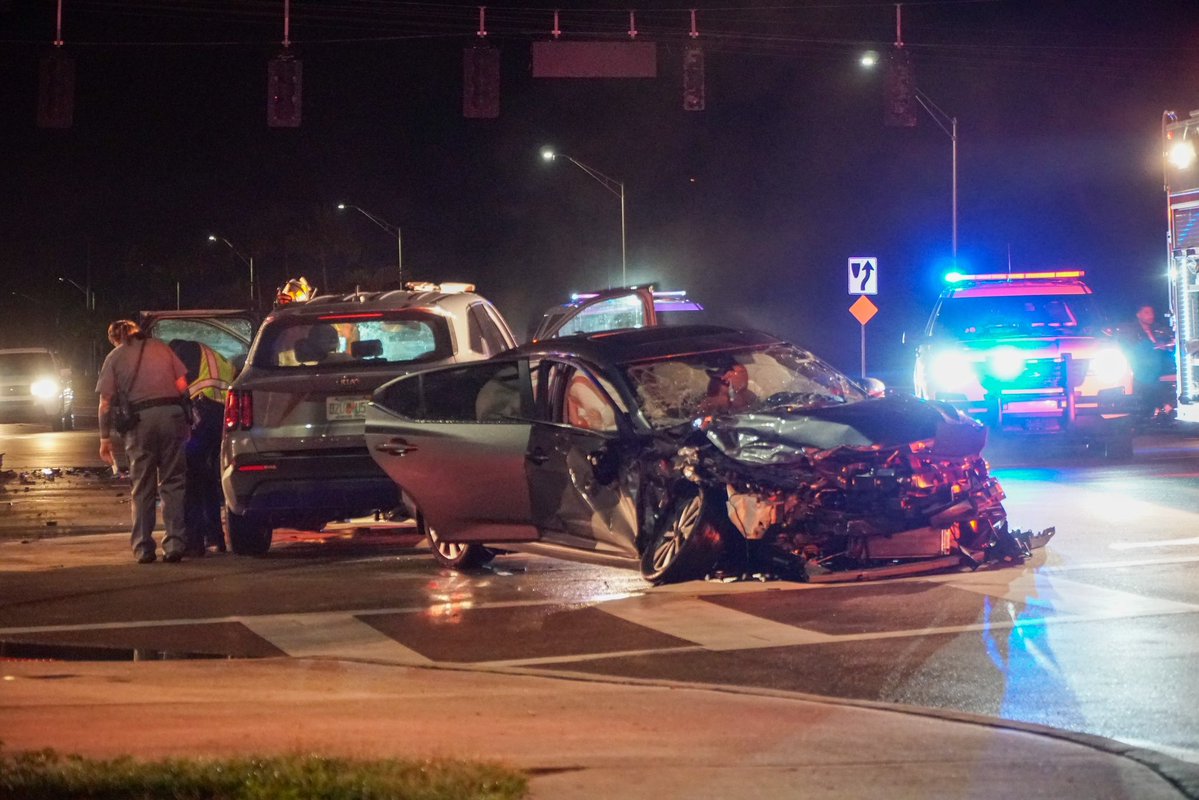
(864, 506)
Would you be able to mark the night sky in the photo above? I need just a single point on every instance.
(752, 205)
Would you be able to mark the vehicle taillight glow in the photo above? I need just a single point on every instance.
(239, 410)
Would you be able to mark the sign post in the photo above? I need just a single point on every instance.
(863, 280)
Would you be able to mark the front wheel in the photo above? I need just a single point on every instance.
(455, 555)
(247, 537)
(686, 545)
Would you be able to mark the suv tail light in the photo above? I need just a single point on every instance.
(239, 410)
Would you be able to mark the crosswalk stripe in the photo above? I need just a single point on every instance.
(1062, 596)
(338, 635)
(709, 625)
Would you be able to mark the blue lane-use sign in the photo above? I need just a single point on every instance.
(863, 275)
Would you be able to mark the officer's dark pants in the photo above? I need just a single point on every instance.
(204, 498)
(157, 470)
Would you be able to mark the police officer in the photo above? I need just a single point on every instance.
(152, 378)
(1152, 352)
(209, 377)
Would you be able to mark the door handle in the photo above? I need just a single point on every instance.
(396, 447)
(537, 456)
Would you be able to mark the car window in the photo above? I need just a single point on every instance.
(229, 337)
(966, 317)
(493, 391)
(627, 311)
(680, 388)
(586, 405)
(370, 339)
(484, 338)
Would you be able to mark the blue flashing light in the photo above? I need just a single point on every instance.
(954, 277)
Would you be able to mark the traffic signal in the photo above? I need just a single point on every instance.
(56, 91)
(693, 78)
(900, 87)
(284, 89)
(481, 82)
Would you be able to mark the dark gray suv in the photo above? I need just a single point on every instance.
(293, 453)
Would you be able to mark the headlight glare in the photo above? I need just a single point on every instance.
(1006, 363)
(44, 388)
(1109, 366)
(952, 370)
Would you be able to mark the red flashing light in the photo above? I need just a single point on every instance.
(257, 467)
(1022, 276)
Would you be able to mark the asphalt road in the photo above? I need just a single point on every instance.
(1098, 634)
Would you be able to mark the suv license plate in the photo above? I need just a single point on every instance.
(346, 407)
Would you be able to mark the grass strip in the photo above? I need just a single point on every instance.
(48, 775)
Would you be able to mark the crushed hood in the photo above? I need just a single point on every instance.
(778, 437)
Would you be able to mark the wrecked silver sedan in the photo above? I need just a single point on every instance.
(686, 452)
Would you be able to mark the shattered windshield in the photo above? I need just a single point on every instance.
(968, 317)
(678, 389)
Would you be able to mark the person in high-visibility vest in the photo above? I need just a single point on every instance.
(209, 376)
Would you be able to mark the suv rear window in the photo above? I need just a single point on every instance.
(968, 317)
(355, 339)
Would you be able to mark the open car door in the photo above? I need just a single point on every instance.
(455, 440)
(610, 310)
(227, 331)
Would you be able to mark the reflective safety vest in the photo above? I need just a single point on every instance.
(215, 377)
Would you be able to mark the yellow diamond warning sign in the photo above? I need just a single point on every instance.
(863, 310)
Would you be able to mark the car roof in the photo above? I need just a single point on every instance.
(375, 301)
(648, 344)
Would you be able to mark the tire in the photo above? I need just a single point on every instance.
(686, 545)
(467, 555)
(247, 537)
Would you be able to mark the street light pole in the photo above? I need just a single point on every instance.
(249, 261)
(394, 230)
(89, 297)
(612, 185)
(949, 125)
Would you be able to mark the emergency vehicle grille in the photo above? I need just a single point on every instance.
(1039, 373)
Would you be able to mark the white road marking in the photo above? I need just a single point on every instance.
(1060, 596)
(312, 635)
(1157, 543)
(709, 625)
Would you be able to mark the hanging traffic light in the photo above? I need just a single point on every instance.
(56, 91)
(900, 87)
(481, 82)
(284, 91)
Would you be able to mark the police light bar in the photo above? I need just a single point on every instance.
(958, 277)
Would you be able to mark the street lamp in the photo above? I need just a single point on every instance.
(612, 185)
(249, 261)
(89, 297)
(394, 230)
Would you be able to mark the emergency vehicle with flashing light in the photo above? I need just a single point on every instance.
(1028, 351)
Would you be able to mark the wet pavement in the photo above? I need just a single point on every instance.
(1097, 635)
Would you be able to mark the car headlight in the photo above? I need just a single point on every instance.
(44, 388)
(952, 370)
(1109, 366)
(1005, 363)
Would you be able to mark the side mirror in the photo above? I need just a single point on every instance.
(874, 387)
